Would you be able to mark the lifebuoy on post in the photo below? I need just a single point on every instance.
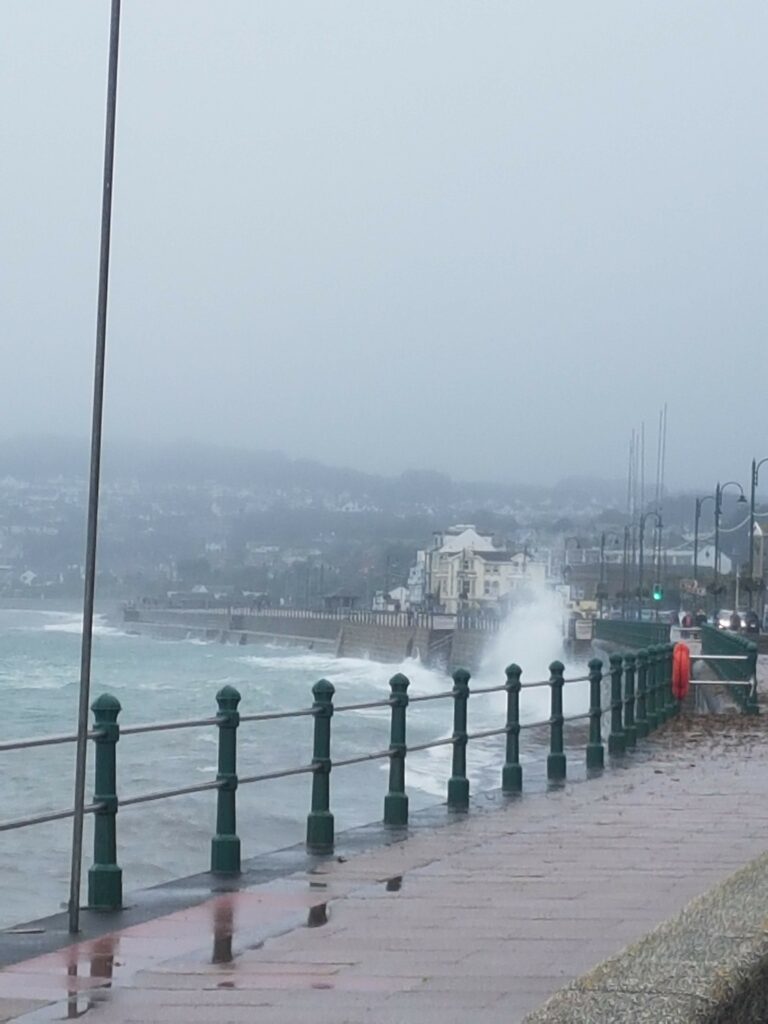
(681, 671)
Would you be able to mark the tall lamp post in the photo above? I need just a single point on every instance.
(718, 513)
(641, 545)
(699, 503)
(753, 493)
(86, 640)
(625, 571)
(565, 549)
(601, 586)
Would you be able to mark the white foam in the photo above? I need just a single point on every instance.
(74, 624)
(532, 637)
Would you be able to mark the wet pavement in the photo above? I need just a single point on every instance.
(489, 916)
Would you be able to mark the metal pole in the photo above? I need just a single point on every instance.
(718, 509)
(640, 571)
(752, 530)
(696, 542)
(602, 572)
(95, 470)
(624, 573)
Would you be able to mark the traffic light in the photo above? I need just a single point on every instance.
(658, 592)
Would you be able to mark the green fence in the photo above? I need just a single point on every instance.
(722, 643)
(640, 700)
(626, 633)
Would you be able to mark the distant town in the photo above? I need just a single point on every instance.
(214, 527)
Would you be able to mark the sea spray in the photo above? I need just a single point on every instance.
(532, 636)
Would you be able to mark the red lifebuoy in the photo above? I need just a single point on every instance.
(681, 671)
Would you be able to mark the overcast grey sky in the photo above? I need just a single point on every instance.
(482, 237)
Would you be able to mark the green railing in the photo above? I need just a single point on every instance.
(626, 633)
(640, 700)
(734, 658)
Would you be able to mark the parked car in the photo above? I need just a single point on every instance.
(751, 622)
(723, 618)
(726, 619)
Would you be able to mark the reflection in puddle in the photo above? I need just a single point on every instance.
(223, 928)
(394, 884)
(103, 957)
(317, 916)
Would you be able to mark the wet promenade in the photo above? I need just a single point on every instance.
(485, 918)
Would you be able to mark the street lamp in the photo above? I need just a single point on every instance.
(718, 513)
(603, 537)
(755, 472)
(699, 503)
(565, 550)
(640, 564)
(625, 571)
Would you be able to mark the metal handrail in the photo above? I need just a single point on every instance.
(41, 819)
(430, 696)
(362, 706)
(448, 741)
(488, 732)
(147, 798)
(361, 758)
(184, 723)
(266, 716)
(243, 780)
(271, 716)
(42, 741)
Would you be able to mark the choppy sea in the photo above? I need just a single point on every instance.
(157, 680)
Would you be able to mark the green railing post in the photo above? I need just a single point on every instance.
(512, 772)
(673, 706)
(617, 744)
(595, 751)
(641, 720)
(458, 784)
(661, 684)
(396, 800)
(630, 729)
(650, 694)
(225, 845)
(105, 878)
(556, 765)
(750, 705)
(320, 820)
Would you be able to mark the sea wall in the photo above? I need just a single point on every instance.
(382, 643)
(467, 649)
(387, 638)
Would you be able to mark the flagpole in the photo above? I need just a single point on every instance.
(94, 476)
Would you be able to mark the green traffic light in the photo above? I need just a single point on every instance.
(658, 593)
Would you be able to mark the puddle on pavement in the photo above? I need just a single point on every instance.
(317, 916)
(394, 884)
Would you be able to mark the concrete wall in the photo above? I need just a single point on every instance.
(468, 648)
(382, 643)
(375, 640)
(213, 625)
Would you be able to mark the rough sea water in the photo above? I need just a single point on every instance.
(158, 680)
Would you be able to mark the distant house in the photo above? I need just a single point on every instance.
(465, 569)
(28, 578)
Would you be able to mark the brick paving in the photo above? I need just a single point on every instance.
(487, 917)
